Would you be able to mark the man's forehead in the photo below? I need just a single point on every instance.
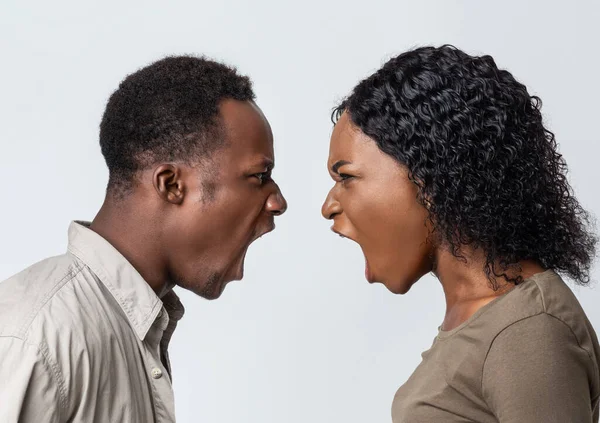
(247, 132)
(237, 155)
(239, 117)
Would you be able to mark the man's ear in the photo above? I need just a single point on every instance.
(168, 183)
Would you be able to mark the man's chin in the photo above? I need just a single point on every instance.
(215, 291)
(236, 271)
(211, 295)
(215, 284)
(212, 288)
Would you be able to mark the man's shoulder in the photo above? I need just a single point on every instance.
(24, 295)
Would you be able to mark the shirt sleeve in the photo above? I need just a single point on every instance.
(536, 372)
(28, 389)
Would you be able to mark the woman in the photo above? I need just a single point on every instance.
(441, 164)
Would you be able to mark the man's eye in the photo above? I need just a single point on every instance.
(345, 176)
(263, 177)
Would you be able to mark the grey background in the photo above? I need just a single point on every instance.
(303, 338)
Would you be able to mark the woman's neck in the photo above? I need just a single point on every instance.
(466, 286)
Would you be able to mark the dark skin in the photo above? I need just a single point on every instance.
(191, 224)
(374, 203)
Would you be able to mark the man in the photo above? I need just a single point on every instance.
(84, 336)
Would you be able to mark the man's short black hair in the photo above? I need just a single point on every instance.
(164, 112)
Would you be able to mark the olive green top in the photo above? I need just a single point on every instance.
(529, 356)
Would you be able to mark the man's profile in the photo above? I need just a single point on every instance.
(84, 336)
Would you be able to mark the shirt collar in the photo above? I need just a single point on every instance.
(138, 301)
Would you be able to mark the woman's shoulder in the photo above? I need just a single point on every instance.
(541, 310)
(534, 305)
(538, 323)
(557, 302)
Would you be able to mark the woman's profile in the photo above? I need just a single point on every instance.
(442, 164)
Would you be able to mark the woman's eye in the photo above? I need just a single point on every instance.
(345, 176)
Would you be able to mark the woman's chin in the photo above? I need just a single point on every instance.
(395, 288)
(368, 274)
(396, 285)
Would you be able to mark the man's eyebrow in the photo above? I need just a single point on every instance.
(266, 163)
(336, 166)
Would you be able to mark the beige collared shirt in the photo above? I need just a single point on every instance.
(83, 338)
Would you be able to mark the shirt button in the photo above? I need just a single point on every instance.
(156, 373)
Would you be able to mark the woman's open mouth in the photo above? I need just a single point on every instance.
(368, 273)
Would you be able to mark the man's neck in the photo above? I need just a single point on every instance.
(130, 230)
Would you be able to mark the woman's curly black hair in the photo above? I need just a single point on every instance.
(473, 141)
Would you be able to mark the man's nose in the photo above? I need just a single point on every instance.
(276, 204)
